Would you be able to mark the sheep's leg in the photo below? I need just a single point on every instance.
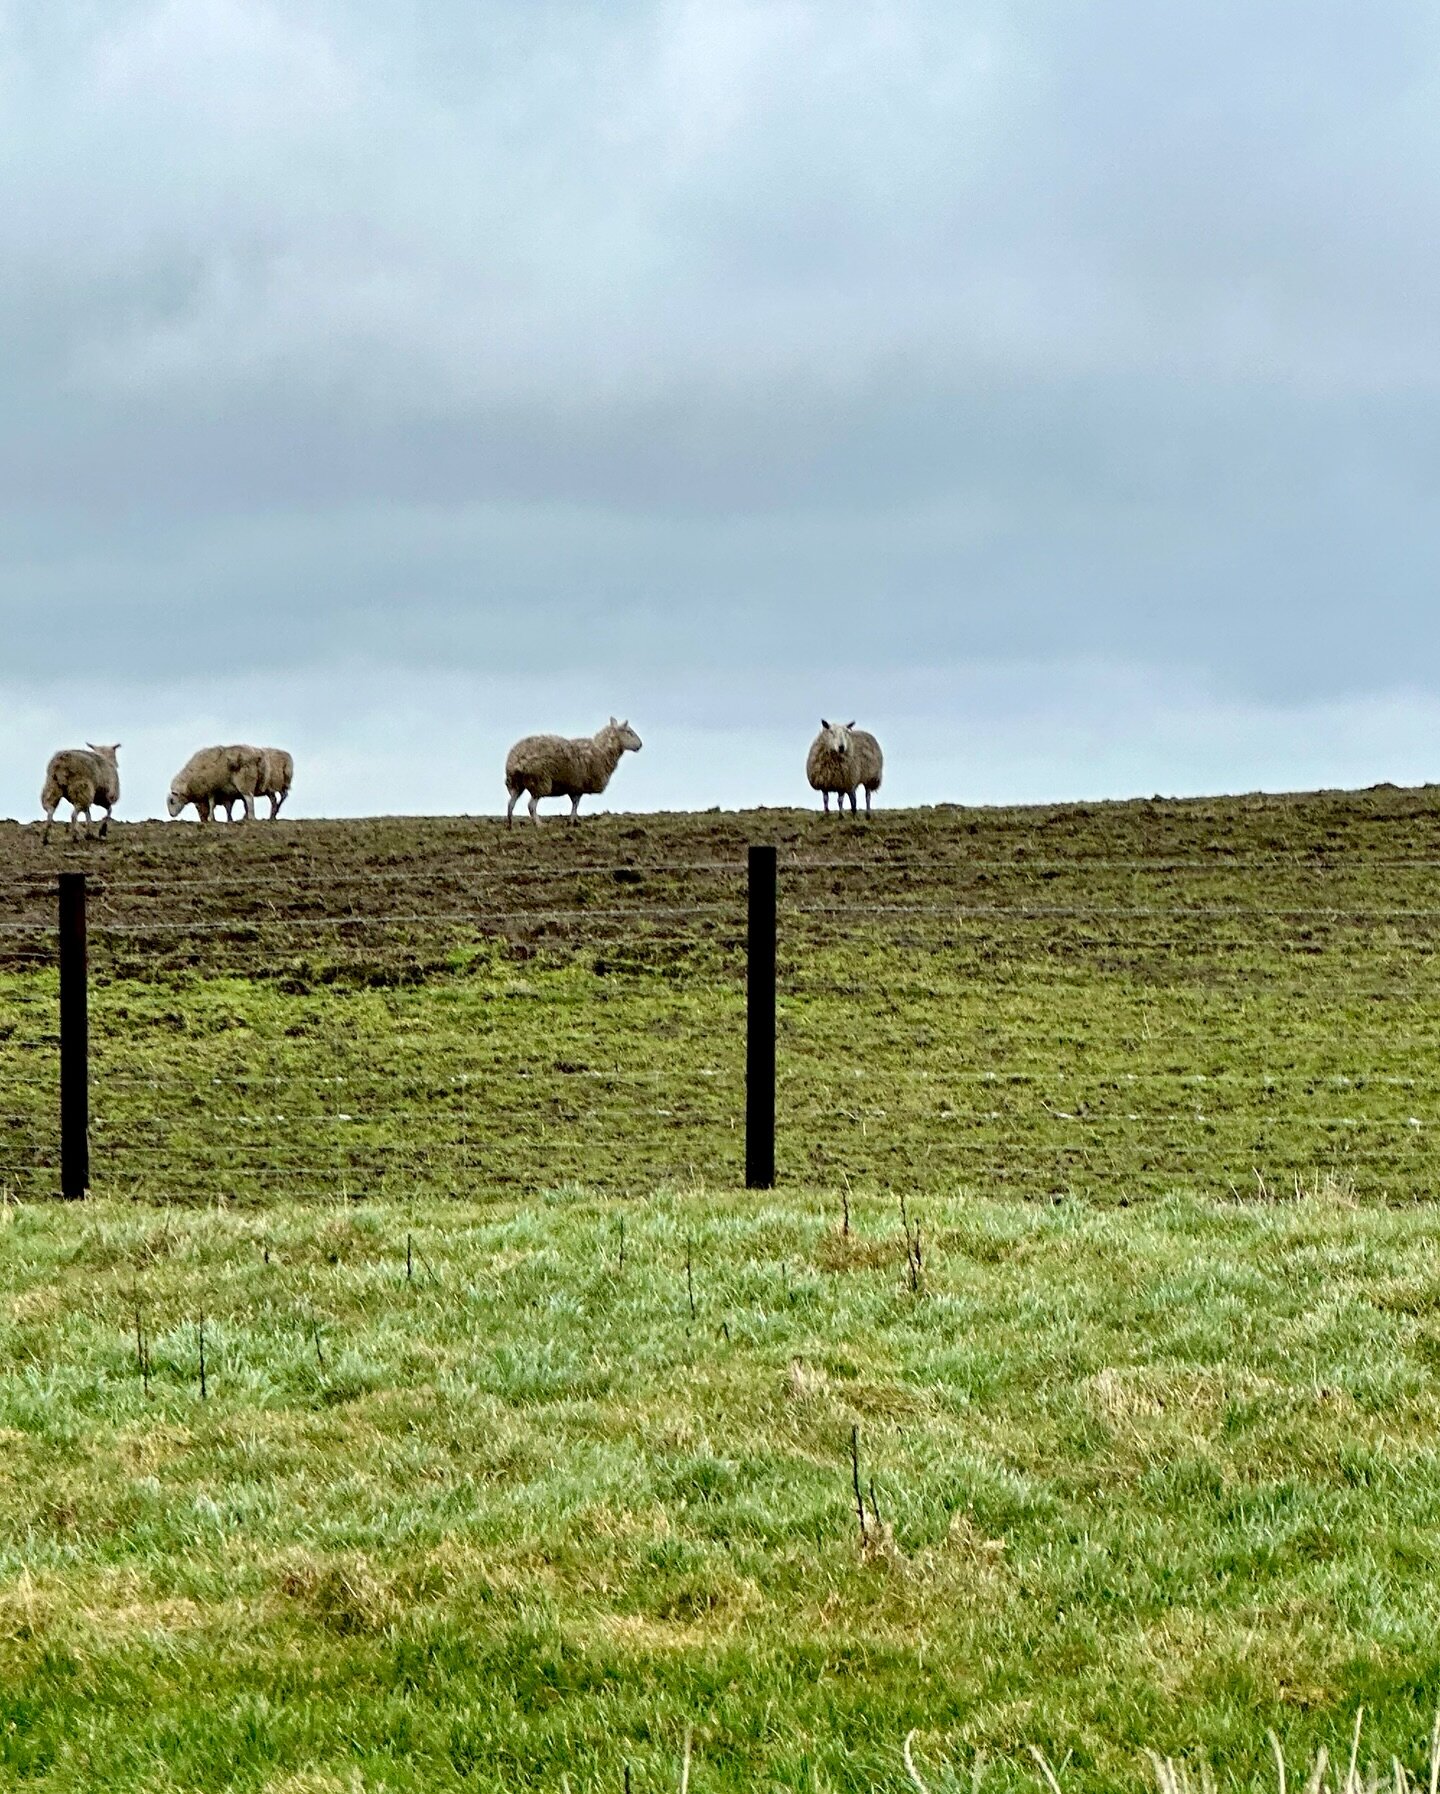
(202, 806)
(535, 809)
(49, 823)
(867, 800)
(575, 809)
(825, 799)
(105, 825)
(510, 809)
(249, 803)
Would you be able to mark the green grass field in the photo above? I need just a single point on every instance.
(525, 1441)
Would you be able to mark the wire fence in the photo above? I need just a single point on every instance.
(1107, 1025)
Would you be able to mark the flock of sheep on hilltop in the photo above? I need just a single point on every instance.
(842, 760)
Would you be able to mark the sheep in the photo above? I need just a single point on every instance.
(841, 758)
(554, 766)
(277, 773)
(215, 776)
(82, 777)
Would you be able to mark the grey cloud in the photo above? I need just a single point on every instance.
(882, 340)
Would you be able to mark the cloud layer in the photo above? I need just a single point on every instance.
(470, 369)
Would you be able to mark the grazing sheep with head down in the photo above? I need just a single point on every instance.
(555, 766)
(81, 777)
(215, 776)
(841, 759)
(277, 774)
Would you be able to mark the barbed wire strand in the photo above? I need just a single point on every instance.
(1328, 861)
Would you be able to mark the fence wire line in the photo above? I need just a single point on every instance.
(789, 1067)
(716, 917)
(640, 911)
(1098, 1119)
(486, 1077)
(237, 924)
(496, 1168)
(1131, 912)
(1326, 862)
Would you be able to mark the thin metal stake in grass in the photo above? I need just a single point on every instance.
(914, 1255)
(204, 1387)
(627, 1779)
(409, 1256)
(845, 1210)
(622, 1267)
(142, 1350)
(875, 1508)
(855, 1479)
(914, 1262)
(689, 1277)
(319, 1349)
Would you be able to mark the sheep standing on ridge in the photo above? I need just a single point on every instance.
(277, 774)
(82, 777)
(555, 766)
(841, 758)
(215, 776)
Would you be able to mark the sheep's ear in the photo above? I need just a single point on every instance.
(613, 723)
(851, 723)
(823, 723)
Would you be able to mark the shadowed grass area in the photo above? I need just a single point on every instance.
(1157, 1478)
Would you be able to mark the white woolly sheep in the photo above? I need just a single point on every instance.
(81, 777)
(277, 774)
(215, 776)
(841, 759)
(556, 766)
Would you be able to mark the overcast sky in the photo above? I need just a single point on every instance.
(1052, 388)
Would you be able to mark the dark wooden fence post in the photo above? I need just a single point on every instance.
(760, 1024)
(74, 1039)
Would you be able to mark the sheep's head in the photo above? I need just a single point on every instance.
(627, 736)
(106, 753)
(176, 802)
(836, 737)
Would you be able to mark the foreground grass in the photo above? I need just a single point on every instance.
(1155, 1479)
